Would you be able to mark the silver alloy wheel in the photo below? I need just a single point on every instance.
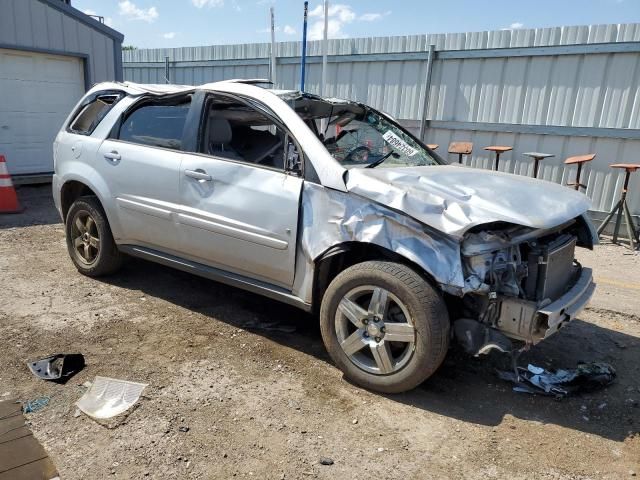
(85, 237)
(375, 330)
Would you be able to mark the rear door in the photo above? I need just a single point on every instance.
(141, 161)
(239, 207)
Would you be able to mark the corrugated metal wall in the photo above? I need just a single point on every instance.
(530, 97)
(35, 24)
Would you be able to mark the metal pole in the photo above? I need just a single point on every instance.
(166, 70)
(304, 47)
(616, 229)
(426, 92)
(630, 227)
(621, 210)
(325, 48)
(608, 218)
(272, 67)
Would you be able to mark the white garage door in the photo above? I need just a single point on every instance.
(37, 92)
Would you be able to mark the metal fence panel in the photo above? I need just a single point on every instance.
(531, 97)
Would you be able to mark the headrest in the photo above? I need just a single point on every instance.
(219, 131)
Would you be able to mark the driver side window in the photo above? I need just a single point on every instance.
(235, 131)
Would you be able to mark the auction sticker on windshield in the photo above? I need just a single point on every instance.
(396, 142)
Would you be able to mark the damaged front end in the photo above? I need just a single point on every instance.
(522, 283)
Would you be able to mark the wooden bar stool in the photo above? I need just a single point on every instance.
(432, 146)
(461, 148)
(622, 208)
(580, 160)
(537, 156)
(498, 149)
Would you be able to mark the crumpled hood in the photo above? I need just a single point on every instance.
(453, 199)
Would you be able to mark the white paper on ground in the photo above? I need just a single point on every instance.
(109, 397)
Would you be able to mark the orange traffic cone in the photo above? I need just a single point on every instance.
(8, 198)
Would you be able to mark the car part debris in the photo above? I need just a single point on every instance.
(108, 397)
(477, 339)
(31, 406)
(58, 367)
(536, 380)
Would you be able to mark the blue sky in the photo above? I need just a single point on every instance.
(176, 23)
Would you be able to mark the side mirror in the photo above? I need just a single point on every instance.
(293, 158)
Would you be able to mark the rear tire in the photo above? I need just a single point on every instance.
(89, 239)
(384, 326)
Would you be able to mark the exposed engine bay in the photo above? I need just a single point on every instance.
(512, 273)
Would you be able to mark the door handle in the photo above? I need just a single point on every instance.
(199, 175)
(114, 156)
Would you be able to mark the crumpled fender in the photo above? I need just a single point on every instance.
(330, 218)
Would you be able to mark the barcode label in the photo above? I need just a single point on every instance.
(397, 143)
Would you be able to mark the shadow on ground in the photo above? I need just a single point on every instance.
(464, 388)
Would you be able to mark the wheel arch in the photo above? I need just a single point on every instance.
(70, 191)
(74, 186)
(341, 256)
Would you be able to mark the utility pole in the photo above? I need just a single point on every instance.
(303, 62)
(273, 67)
(325, 48)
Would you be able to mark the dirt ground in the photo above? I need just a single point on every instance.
(250, 380)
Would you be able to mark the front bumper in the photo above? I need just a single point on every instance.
(569, 305)
(530, 322)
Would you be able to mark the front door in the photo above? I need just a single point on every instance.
(239, 207)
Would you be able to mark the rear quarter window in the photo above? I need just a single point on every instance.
(91, 114)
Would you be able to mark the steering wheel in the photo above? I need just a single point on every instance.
(360, 154)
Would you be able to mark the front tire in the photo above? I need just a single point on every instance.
(89, 239)
(384, 326)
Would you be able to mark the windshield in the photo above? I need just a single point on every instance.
(359, 136)
(371, 140)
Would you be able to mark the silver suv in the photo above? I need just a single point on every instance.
(328, 205)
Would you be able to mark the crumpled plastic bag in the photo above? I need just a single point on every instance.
(585, 378)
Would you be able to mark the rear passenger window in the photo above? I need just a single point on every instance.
(91, 114)
(157, 125)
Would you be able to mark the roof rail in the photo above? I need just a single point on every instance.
(250, 81)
